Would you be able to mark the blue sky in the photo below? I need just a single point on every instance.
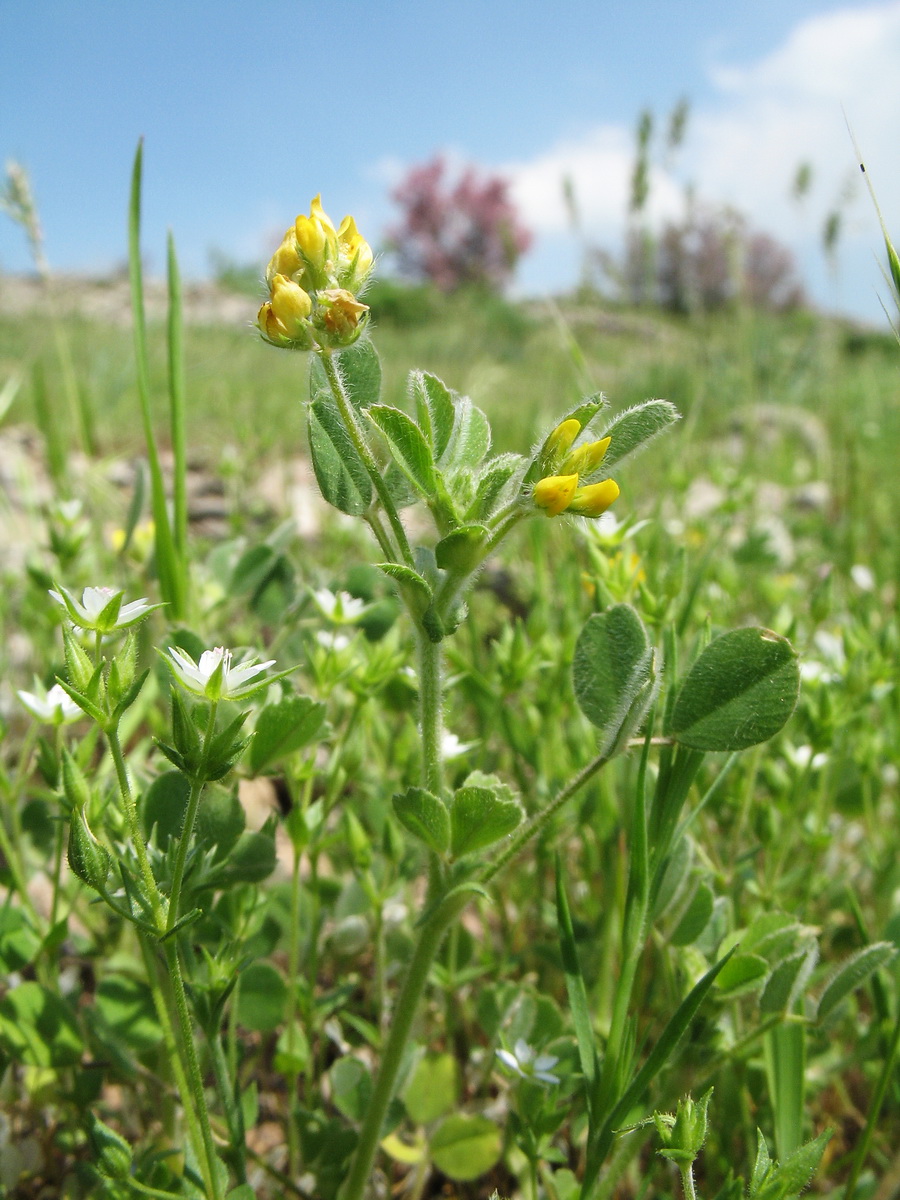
(248, 110)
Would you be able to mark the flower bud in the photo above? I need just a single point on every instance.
(112, 1154)
(586, 459)
(285, 260)
(557, 446)
(554, 493)
(356, 255)
(89, 860)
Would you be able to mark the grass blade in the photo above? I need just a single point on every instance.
(177, 417)
(166, 563)
(578, 1001)
(785, 1055)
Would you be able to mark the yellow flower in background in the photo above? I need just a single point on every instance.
(558, 491)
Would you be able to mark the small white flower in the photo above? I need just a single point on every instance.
(863, 578)
(526, 1062)
(339, 607)
(101, 609)
(53, 707)
(452, 747)
(335, 642)
(803, 757)
(214, 677)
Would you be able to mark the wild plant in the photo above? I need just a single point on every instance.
(360, 969)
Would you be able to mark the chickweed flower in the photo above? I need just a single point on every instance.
(215, 676)
(314, 278)
(53, 707)
(527, 1063)
(339, 607)
(563, 470)
(101, 609)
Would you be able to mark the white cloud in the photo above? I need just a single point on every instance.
(745, 146)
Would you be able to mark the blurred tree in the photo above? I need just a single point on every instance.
(456, 232)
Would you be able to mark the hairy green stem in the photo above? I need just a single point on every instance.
(348, 415)
(195, 1078)
(187, 828)
(540, 820)
(430, 938)
(430, 711)
(150, 886)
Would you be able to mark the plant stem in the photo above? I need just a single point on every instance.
(430, 938)
(150, 886)
(430, 711)
(195, 1079)
(540, 820)
(361, 446)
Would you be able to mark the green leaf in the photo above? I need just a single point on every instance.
(425, 816)
(360, 370)
(465, 1147)
(493, 484)
(410, 579)
(340, 472)
(262, 997)
(434, 408)
(126, 1006)
(38, 1029)
(220, 819)
(292, 1050)
(407, 443)
(742, 973)
(786, 1180)
(461, 550)
(786, 982)
(432, 1088)
(739, 692)
(163, 805)
(19, 944)
(614, 674)
(635, 427)
(351, 1087)
(695, 918)
(284, 727)
(853, 972)
(479, 816)
(470, 438)
(251, 861)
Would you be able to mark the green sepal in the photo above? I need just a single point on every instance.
(88, 859)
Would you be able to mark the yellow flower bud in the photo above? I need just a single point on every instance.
(318, 213)
(290, 304)
(285, 260)
(557, 445)
(594, 499)
(356, 252)
(554, 493)
(586, 458)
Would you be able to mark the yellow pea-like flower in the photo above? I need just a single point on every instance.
(594, 499)
(285, 260)
(557, 445)
(554, 493)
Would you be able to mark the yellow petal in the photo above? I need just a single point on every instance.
(557, 444)
(587, 458)
(318, 213)
(594, 499)
(554, 493)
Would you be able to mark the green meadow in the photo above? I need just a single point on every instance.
(529, 1068)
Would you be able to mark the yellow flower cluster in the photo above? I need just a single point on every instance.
(314, 278)
(558, 490)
